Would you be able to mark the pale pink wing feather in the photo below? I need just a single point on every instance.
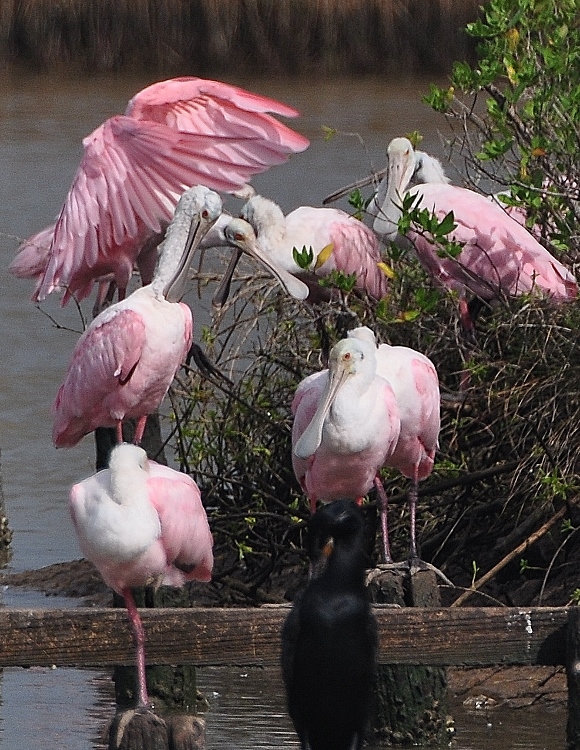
(215, 108)
(102, 360)
(185, 532)
(356, 251)
(499, 254)
(32, 257)
(304, 406)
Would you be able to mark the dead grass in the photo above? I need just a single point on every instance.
(278, 36)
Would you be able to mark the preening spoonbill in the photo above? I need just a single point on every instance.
(415, 383)
(337, 241)
(329, 639)
(123, 364)
(346, 425)
(141, 524)
(174, 134)
(499, 256)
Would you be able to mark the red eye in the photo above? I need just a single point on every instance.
(204, 214)
(348, 355)
(238, 236)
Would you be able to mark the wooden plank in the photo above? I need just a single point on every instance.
(211, 636)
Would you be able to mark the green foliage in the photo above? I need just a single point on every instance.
(303, 258)
(525, 133)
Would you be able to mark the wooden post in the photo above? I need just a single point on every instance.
(5, 530)
(573, 678)
(410, 701)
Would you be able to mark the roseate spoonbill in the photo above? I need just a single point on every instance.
(427, 169)
(499, 256)
(346, 426)
(337, 240)
(141, 524)
(123, 364)
(173, 134)
(415, 383)
(329, 639)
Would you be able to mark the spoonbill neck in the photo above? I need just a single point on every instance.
(195, 214)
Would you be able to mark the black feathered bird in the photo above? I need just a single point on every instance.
(329, 639)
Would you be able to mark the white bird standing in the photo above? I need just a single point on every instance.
(415, 383)
(140, 524)
(346, 426)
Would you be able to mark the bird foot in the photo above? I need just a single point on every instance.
(412, 565)
(137, 722)
(375, 572)
(415, 564)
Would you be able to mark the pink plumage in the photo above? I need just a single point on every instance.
(123, 364)
(499, 255)
(174, 134)
(162, 537)
(32, 258)
(142, 524)
(415, 383)
(346, 244)
(346, 425)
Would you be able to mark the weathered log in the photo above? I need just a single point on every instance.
(410, 701)
(93, 636)
(138, 730)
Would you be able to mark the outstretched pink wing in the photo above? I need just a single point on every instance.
(176, 134)
(214, 108)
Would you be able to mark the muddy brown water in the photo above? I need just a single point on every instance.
(42, 122)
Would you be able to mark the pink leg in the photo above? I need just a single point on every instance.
(413, 495)
(469, 330)
(119, 432)
(383, 508)
(139, 635)
(139, 430)
(465, 316)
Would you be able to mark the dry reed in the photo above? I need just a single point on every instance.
(278, 36)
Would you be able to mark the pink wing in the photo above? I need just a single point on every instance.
(499, 254)
(214, 108)
(304, 405)
(134, 168)
(357, 250)
(125, 189)
(427, 385)
(32, 257)
(185, 532)
(102, 362)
